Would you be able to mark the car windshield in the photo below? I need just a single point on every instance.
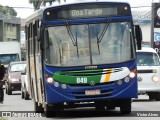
(88, 44)
(7, 58)
(147, 59)
(18, 67)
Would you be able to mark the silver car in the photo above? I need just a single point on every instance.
(13, 82)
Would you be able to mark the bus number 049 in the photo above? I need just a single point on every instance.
(81, 80)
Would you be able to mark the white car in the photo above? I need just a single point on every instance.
(148, 66)
(24, 86)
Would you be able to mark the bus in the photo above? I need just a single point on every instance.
(82, 54)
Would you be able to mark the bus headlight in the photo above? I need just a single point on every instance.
(132, 75)
(155, 78)
(50, 80)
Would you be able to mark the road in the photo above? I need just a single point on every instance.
(141, 108)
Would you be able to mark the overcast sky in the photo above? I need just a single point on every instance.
(24, 12)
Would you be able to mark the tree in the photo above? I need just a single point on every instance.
(6, 10)
(37, 3)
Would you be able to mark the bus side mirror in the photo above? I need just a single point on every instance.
(138, 33)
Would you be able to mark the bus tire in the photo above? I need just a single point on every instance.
(38, 109)
(49, 111)
(125, 106)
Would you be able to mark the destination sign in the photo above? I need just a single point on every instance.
(93, 12)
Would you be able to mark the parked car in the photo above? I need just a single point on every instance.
(13, 82)
(24, 85)
(148, 66)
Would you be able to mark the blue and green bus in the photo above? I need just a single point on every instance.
(82, 54)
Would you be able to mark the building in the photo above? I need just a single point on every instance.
(23, 38)
(9, 28)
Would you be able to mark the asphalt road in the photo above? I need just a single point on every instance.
(142, 108)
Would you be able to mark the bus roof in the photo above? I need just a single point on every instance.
(39, 13)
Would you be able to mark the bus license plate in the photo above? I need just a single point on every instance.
(92, 92)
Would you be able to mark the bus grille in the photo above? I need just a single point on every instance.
(91, 72)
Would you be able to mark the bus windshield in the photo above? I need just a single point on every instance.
(88, 44)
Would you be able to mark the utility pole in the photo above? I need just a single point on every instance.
(152, 24)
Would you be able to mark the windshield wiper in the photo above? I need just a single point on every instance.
(97, 42)
(70, 33)
(99, 39)
(74, 40)
(77, 45)
(103, 31)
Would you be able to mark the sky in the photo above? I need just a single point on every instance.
(28, 8)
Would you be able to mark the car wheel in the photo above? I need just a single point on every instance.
(26, 95)
(9, 91)
(157, 96)
(6, 86)
(22, 94)
(6, 89)
(151, 95)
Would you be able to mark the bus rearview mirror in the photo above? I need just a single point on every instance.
(138, 33)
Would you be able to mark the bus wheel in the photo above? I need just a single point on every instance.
(125, 106)
(49, 111)
(38, 109)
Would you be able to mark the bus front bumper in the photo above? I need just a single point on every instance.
(78, 93)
